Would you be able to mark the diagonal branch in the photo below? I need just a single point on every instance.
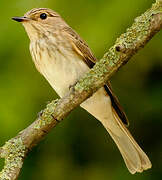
(136, 37)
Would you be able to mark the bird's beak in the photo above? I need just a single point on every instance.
(21, 19)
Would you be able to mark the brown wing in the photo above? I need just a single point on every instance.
(82, 49)
(116, 104)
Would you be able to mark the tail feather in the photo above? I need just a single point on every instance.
(135, 158)
(100, 106)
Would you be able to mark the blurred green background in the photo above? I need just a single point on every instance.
(79, 147)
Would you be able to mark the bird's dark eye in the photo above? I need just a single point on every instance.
(43, 16)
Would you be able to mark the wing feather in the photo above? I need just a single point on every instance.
(82, 49)
(80, 46)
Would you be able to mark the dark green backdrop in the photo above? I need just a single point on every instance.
(79, 147)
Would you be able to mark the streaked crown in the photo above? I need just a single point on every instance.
(40, 21)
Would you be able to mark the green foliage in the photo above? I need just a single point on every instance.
(79, 147)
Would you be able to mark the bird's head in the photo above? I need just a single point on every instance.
(39, 22)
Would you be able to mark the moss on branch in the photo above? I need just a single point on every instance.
(136, 37)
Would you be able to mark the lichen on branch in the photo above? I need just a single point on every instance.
(136, 37)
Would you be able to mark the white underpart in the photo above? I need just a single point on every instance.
(62, 69)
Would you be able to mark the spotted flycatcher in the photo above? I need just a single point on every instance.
(62, 57)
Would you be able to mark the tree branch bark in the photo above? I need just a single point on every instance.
(143, 29)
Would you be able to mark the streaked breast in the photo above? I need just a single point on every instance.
(58, 63)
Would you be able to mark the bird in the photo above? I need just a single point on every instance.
(63, 57)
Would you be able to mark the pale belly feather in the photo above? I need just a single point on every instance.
(61, 68)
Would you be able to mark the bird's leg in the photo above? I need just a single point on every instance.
(40, 114)
(71, 87)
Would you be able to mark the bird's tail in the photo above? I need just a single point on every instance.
(100, 106)
(135, 158)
